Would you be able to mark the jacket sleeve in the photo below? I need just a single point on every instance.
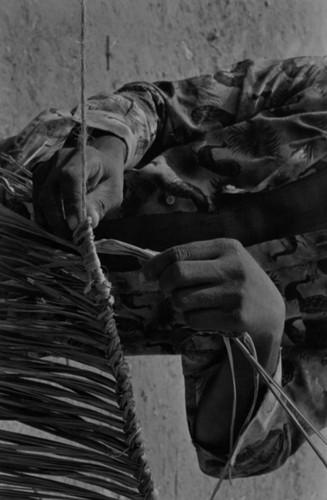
(267, 117)
(271, 437)
(256, 122)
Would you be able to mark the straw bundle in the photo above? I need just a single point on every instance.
(61, 374)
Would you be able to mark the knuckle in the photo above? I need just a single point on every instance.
(234, 245)
(217, 271)
(228, 246)
(172, 278)
(176, 273)
(237, 272)
(230, 269)
(237, 318)
(100, 207)
(179, 253)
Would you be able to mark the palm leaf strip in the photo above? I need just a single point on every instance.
(294, 413)
(62, 374)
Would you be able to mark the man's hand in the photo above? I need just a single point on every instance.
(218, 286)
(58, 186)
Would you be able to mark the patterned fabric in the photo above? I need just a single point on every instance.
(251, 128)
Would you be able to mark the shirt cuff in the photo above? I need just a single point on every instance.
(109, 122)
(261, 447)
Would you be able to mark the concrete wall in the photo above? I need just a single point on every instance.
(155, 39)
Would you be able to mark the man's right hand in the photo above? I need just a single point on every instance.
(58, 185)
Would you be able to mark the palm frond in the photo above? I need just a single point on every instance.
(59, 379)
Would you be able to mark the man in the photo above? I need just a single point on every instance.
(183, 147)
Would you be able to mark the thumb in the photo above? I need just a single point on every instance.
(106, 197)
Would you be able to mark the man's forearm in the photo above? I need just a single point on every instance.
(112, 146)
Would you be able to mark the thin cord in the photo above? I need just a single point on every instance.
(83, 134)
(228, 468)
(284, 401)
(232, 367)
(99, 284)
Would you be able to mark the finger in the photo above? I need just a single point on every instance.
(51, 213)
(106, 197)
(46, 198)
(200, 250)
(223, 298)
(191, 273)
(40, 175)
(214, 320)
(72, 187)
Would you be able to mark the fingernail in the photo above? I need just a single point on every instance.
(72, 222)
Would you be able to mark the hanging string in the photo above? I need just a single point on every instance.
(83, 133)
(100, 288)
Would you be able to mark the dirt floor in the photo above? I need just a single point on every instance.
(157, 39)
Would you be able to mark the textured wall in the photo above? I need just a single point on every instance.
(154, 39)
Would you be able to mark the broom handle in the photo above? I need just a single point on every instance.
(295, 208)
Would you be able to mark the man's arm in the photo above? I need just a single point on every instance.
(153, 117)
(223, 111)
(218, 286)
(271, 436)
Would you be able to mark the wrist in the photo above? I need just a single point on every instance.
(267, 333)
(111, 145)
(267, 348)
